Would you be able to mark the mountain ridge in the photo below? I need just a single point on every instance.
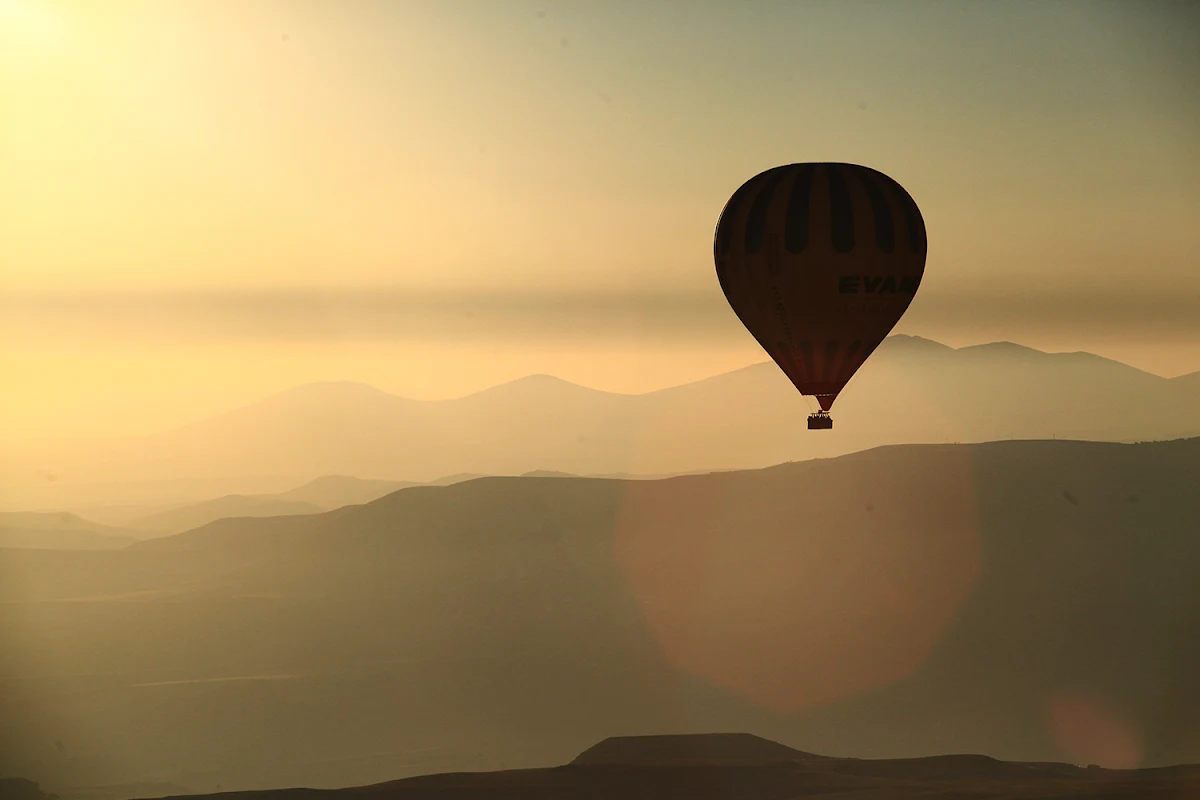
(911, 390)
(893, 342)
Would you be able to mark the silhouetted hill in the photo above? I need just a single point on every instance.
(681, 750)
(21, 789)
(1191, 381)
(122, 791)
(321, 494)
(53, 521)
(911, 390)
(1031, 601)
(745, 767)
(61, 540)
(58, 531)
(191, 516)
(457, 477)
(334, 491)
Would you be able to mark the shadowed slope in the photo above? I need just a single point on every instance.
(745, 767)
(177, 520)
(1034, 601)
(334, 491)
(58, 531)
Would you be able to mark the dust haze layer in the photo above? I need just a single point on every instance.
(1030, 601)
(911, 390)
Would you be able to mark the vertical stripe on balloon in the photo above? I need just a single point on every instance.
(914, 226)
(806, 352)
(885, 231)
(841, 211)
(756, 223)
(831, 351)
(795, 236)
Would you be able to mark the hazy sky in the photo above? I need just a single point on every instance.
(205, 202)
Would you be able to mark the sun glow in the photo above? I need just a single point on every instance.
(28, 24)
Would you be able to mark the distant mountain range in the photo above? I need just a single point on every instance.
(911, 390)
(1032, 601)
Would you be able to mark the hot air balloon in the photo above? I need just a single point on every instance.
(819, 262)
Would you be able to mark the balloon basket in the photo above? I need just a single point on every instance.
(820, 422)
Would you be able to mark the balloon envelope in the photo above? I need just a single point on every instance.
(819, 261)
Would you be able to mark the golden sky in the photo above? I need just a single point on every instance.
(205, 202)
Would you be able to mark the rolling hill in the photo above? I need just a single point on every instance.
(58, 531)
(725, 766)
(334, 491)
(194, 515)
(321, 494)
(1190, 382)
(911, 391)
(1032, 601)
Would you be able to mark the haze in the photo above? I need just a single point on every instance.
(370, 407)
(208, 202)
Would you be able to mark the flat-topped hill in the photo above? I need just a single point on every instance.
(724, 766)
(715, 748)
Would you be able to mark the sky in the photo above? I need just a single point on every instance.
(207, 202)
